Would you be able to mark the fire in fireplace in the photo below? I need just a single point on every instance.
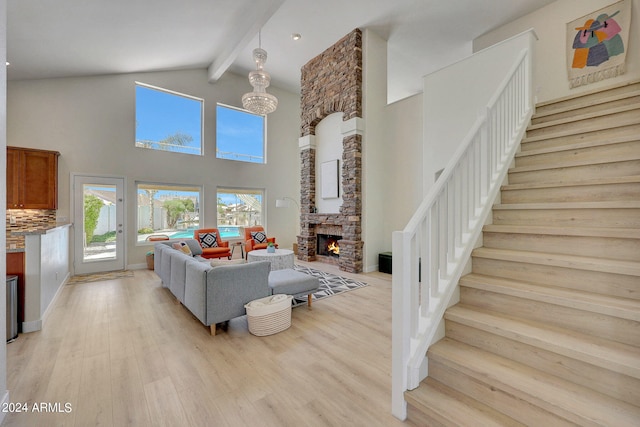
(328, 245)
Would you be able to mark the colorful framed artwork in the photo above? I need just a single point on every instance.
(597, 44)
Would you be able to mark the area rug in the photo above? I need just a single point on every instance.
(330, 284)
(110, 275)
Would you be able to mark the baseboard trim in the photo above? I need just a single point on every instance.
(33, 326)
(137, 266)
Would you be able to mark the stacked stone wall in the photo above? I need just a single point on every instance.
(332, 83)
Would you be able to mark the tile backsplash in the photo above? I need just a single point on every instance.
(25, 219)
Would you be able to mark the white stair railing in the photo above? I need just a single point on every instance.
(430, 254)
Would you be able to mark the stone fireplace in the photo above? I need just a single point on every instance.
(332, 83)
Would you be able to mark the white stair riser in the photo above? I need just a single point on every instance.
(607, 327)
(623, 218)
(576, 173)
(619, 285)
(605, 247)
(599, 378)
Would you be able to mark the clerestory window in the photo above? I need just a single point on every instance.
(240, 135)
(168, 121)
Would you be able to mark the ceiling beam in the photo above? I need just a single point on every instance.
(246, 25)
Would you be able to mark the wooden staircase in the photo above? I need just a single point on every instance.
(547, 331)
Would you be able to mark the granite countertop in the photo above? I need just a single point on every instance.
(41, 229)
(15, 250)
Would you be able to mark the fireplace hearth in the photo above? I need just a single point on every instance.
(328, 245)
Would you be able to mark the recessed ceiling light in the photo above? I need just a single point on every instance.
(296, 36)
(8, 63)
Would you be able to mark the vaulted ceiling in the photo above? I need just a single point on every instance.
(62, 38)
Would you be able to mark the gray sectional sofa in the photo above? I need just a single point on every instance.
(212, 294)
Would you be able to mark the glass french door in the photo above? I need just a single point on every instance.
(99, 229)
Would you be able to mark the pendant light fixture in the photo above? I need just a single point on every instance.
(259, 101)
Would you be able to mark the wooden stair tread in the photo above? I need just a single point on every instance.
(622, 204)
(587, 129)
(577, 145)
(621, 233)
(453, 408)
(597, 136)
(586, 182)
(569, 164)
(586, 116)
(568, 400)
(615, 356)
(573, 102)
(592, 92)
(547, 110)
(624, 308)
(630, 268)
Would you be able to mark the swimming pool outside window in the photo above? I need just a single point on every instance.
(240, 207)
(169, 210)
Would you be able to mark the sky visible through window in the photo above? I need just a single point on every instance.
(168, 121)
(239, 135)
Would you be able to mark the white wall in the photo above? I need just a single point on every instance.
(549, 23)
(4, 393)
(91, 122)
(329, 147)
(54, 265)
(403, 120)
(453, 100)
(46, 269)
(376, 150)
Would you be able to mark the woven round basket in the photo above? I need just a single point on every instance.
(269, 315)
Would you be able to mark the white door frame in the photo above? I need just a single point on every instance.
(76, 212)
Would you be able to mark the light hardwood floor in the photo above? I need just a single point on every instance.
(122, 352)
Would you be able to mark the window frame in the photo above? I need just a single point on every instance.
(171, 187)
(264, 135)
(239, 190)
(175, 93)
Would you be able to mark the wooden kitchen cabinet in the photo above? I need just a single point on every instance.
(32, 178)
